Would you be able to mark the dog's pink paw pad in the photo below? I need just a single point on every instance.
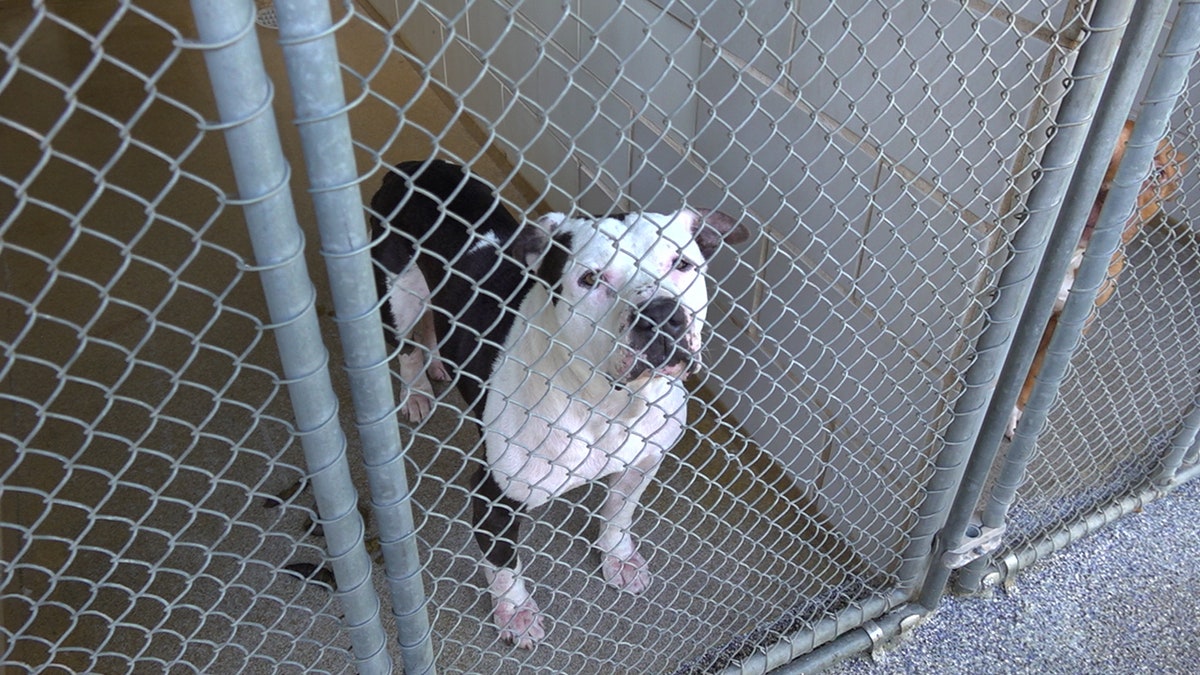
(628, 574)
(437, 371)
(519, 624)
(417, 406)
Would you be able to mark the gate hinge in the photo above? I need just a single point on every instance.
(978, 542)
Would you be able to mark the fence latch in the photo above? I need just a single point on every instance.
(977, 542)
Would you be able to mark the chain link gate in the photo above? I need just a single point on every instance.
(895, 159)
(1125, 423)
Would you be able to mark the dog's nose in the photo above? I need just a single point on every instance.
(658, 336)
(662, 315)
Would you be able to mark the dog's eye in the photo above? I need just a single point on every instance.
(589, 279)
(684, 265)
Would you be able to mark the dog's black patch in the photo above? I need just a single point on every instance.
(496, 524)
(713, 227)
(551, 269)
(285, 495)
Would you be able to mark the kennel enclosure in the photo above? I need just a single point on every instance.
(190, 326)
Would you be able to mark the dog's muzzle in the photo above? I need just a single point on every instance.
(658, 339)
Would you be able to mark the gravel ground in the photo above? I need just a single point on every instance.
(1124, 600)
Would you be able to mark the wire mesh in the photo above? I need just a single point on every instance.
(881, 152)
(144, 416)
(1092, 467)
(838, 342)
(1122, 403)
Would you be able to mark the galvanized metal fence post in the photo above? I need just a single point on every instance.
(244, 95)
(1183, 440)
(1190, 465)
(1179, 53)
(957, 464)
(1136, 51)
(306, 33)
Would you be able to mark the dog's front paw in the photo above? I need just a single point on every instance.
(418, 401)
(437, 370)
(417, 405)
(513, 609)
(1013, 420)
(630, 574)
(520, 625)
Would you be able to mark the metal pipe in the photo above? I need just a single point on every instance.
(864, 639)
(306, 35)
(1185, 437)
(244, 95)
(1137, 48)
(830, 631)
(1184, 475)
(956, 463)
(1059, 538)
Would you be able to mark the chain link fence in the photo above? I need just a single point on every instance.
(188, 473)
(1120, 430)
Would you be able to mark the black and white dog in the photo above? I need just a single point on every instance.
(569, 338)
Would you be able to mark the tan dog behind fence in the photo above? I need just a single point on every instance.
(1162, 182)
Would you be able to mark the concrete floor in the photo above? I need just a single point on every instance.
(1125, 598)
(1121, 601)
(143, 425)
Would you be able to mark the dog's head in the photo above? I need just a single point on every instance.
(1159, 185)
(626, 295)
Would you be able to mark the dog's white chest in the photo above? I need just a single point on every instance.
(542, 442)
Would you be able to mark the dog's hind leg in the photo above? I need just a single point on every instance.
(497, 526)
(408, 301)
(620, 562)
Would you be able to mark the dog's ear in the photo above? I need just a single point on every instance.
(713, 227)
(532, 242)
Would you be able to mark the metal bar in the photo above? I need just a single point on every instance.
(825, 632)
(1192, 456)
(244, 94)
(306, 34)
(1167, 84)
(956, 463)
(857, 641)
(1137, 48)
(1182, 441)
(1059, 538)
(1187, 474)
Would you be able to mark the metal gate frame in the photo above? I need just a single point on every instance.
(957, 537)
(1167, 85)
